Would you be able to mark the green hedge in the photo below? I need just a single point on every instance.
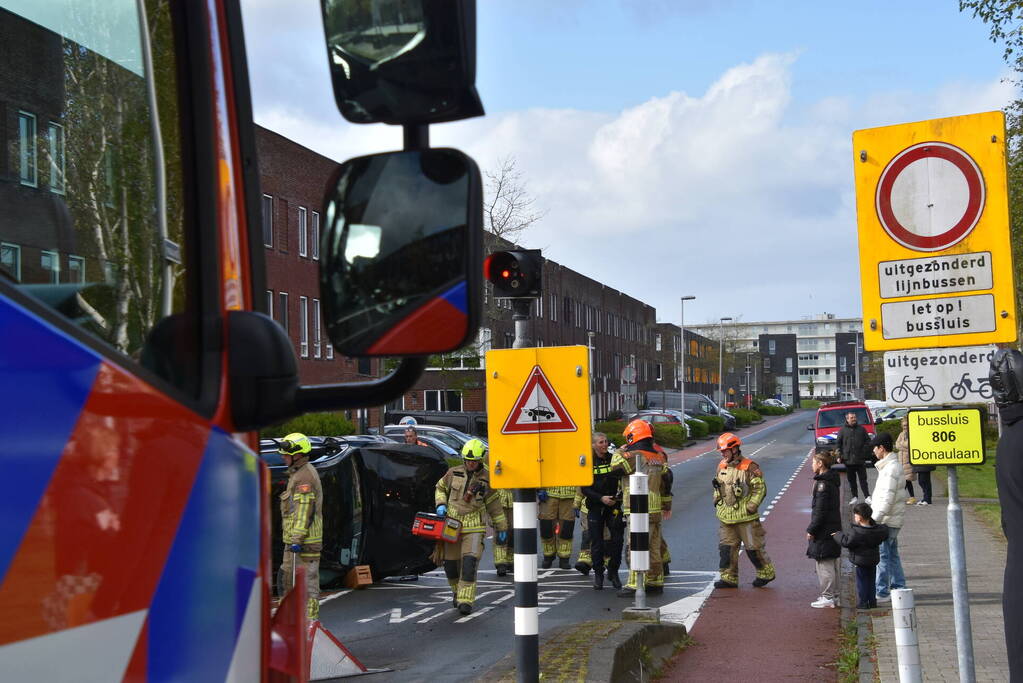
(312, 424)
(670, 436)
(715, 424)
(698, 428)
(614, 430)
(773, 410)
(892, 427)
(745, 417)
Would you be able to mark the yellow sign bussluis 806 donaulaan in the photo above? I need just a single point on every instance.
(946, 437)
(932, 209)
(538, 416)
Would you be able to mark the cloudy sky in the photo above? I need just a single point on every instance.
(697, 147)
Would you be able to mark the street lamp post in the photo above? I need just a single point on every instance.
(856, 362)
(682, 353)
(721, 360)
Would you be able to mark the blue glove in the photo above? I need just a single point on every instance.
(295, 548)
(502, 537)
(542, 496)
(442, 510)
(577, 513)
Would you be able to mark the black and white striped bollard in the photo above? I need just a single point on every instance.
(527, 618)
(639, 529)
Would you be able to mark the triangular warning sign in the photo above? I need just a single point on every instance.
(538, 408)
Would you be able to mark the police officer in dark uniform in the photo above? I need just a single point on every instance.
(604, 510)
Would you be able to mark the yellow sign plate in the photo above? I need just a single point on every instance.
(933, 216)
(946, 437)
(538, 415)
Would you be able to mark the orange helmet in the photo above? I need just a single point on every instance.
(637, 431)
(728, 440)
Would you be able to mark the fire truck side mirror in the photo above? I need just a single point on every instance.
(402, 249)
(403, 62)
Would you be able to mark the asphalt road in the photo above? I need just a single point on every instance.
(412, 628)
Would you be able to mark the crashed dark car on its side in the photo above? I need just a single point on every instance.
(372, 490)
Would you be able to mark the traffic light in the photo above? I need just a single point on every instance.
(515, 274)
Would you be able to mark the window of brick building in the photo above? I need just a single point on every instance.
(268, 221)
(282, 313)
(303, 326)
(303, 232)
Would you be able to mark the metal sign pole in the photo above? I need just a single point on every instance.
(527, 614)
(960, 592)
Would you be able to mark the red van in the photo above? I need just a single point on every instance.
(831, 417)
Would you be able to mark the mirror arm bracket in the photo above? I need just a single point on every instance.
(327, 397)
(416, 136)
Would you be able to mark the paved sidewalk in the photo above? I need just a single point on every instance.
(923, 545)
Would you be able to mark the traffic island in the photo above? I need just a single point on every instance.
(601, 651)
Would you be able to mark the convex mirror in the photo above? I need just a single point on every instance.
(401, 270)
(403, 61)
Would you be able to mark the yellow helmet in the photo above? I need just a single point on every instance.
(473, 450)
(294, 444)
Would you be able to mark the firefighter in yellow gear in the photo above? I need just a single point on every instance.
(301, 520)
(639, 438)
(739, 489)
(584, 562)
(556, 508)
(464, 493)
(504, 553)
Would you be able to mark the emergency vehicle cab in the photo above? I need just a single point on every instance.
(135, 358)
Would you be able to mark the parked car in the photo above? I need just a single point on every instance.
(372, 492)
(831, 416)
(667, 416)
(890, 414)
(452, 455)
(775, 403)
(701, 404)
(876, 407)
(452, 437)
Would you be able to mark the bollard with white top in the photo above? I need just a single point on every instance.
(639, 530)
(907, 644)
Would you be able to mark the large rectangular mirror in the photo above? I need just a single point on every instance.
(403, 61)
(402, 253)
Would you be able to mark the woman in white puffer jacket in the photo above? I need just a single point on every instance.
(889, 508)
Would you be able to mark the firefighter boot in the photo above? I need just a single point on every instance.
(564, 543)
(765, 570)
(548, 561)
(729, 566)
(598, 579)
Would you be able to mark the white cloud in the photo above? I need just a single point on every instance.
(729, 195)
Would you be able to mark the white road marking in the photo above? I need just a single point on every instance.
(335, 596)
(686, 610)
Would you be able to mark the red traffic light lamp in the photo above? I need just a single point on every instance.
(515, 274)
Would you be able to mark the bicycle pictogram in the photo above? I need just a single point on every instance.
(965, 384)
(917, 386)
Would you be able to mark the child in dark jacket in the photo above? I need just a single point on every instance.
(825, 519)
(863, 541)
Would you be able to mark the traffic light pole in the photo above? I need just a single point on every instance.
(527, 616)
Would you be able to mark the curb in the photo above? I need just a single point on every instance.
(631, 651)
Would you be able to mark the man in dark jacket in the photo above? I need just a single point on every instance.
(853, 445)
(1007, 382)
(825, 519)
(604, 510)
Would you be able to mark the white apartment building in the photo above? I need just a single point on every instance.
(820, 356)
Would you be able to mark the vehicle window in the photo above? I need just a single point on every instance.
(836, 418)
(82, 223)
(348, 492)
(449, 439)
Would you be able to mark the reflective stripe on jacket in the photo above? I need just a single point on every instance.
(740, 492)
(302, 508)
(467, 495)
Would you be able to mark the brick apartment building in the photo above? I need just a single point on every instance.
(294, 183)
(700, 363)
(572, 306)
